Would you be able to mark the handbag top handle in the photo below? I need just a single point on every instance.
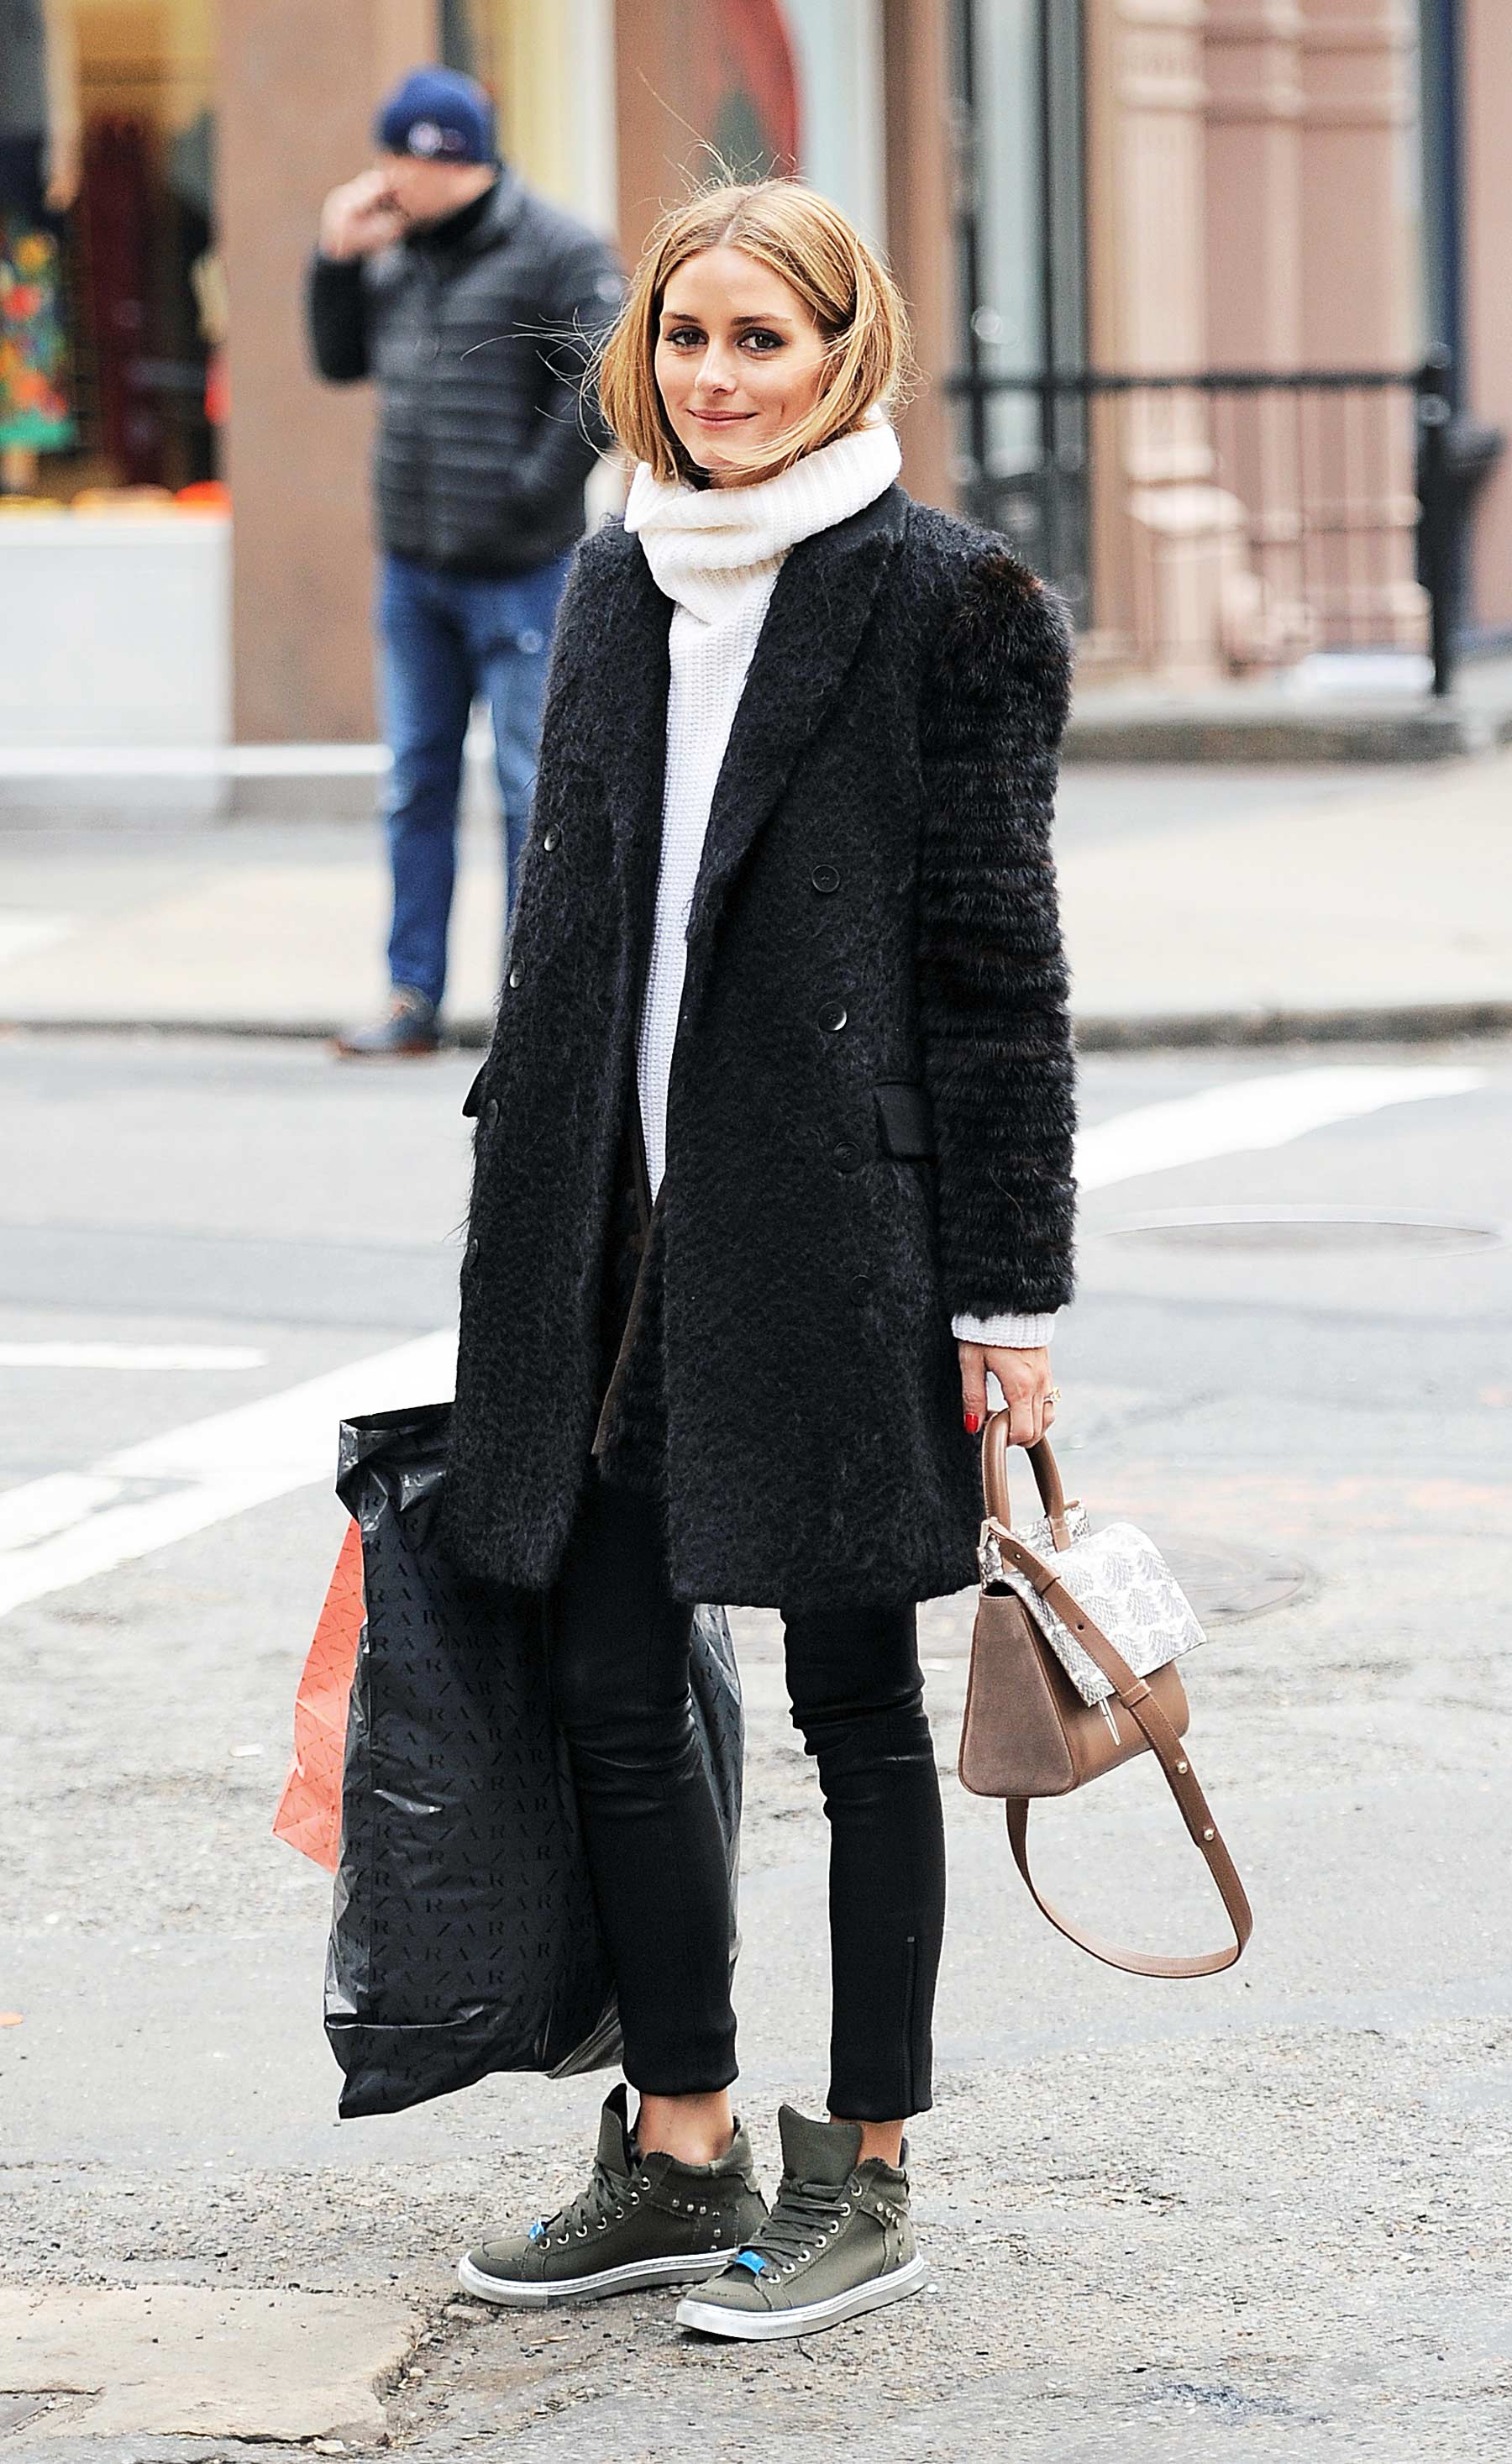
(994, 1479)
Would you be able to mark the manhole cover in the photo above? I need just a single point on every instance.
(1224, 1580)
(1305, 1228)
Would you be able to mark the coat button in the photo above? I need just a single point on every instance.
(471, 1255)
(832, 1017)
(824, 877)
(552, 840)
(861, 1288)
(846, 1155)
(517, 977)
(490, 1114)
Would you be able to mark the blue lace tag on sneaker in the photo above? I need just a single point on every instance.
(751, 2258)
(536, 2233)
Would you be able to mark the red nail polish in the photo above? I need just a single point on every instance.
(972, 1424)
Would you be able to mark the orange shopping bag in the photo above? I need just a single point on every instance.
(309, 1814)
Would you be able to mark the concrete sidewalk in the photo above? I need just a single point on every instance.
(1220, 906)
(1319, 712)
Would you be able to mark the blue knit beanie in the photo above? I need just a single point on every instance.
(439, 114)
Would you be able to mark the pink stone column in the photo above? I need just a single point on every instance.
(1168, 543)
(1359, 277)
(1254, 251)
(1488, 261)
(297, 87)
(1254, 187)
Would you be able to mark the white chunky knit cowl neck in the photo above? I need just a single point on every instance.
(708, 548)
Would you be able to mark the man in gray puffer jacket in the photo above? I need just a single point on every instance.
(473, 303)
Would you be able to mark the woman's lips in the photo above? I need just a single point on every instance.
(721, 418)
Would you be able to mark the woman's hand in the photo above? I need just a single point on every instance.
(1024, 1377)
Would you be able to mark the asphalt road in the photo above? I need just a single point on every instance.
(1260, 2216)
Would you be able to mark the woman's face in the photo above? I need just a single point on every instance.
(739, 359)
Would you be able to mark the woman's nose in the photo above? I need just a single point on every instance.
(714, 374)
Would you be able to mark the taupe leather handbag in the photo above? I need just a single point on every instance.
(1053, 1702)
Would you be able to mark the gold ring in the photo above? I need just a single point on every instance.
(1054, 1395)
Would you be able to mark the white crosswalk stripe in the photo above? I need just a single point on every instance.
(63, 1529)
(1250, 1113)
(130, 1355)
(150, 1495)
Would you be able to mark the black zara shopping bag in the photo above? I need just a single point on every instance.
(464, 1936)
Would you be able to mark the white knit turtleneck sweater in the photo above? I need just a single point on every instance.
(717, 552)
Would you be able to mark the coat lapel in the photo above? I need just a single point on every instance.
(818, 613)
(628, 682)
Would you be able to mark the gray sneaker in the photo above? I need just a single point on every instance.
(839, 2241)
(408, 1030)
(640, 2219)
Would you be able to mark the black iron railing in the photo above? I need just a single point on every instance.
(1342, 489)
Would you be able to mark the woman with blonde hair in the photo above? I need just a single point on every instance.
(773, 1168)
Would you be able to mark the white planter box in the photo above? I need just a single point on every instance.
(115, 629)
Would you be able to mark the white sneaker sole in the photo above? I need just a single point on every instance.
(759, 2326)
(630, 2278)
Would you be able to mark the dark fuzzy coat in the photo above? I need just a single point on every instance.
(870, 1114)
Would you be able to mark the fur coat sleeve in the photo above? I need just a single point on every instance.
(992, 973)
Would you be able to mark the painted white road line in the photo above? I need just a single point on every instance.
(1250, 1113)
(57, 1531)
(218, 1467)
(40, 1508)
(21, 931)
(130, 1355)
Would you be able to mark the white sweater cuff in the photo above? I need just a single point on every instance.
(1009, 1331)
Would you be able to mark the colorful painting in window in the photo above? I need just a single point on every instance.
(747, 97)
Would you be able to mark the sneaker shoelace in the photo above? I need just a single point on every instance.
(806, 2216)
(603, 2199)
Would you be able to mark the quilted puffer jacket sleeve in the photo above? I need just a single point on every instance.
(585, 293)
(992, 973)
(335, 315)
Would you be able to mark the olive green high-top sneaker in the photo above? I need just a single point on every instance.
(639, 2220)
(839, 2241)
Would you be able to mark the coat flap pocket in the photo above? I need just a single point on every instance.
(473, 1100)
(903, 1118)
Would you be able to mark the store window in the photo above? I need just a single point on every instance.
(1020, 259)
(117, 337)
(770, 85)
(550, 75)
(836, 50)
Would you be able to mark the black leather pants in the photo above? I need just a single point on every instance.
(619, 1669)
(619, 1672)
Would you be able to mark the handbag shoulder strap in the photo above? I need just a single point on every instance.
(1180, 1779)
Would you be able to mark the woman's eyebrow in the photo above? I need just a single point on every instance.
(677, 316)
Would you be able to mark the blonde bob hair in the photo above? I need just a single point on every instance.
(806, 240)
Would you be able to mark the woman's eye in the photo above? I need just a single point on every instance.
(760, 333)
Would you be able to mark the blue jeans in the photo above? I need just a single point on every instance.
(446, 639)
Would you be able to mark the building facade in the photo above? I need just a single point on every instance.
(1099, 209)
(1291, 203)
